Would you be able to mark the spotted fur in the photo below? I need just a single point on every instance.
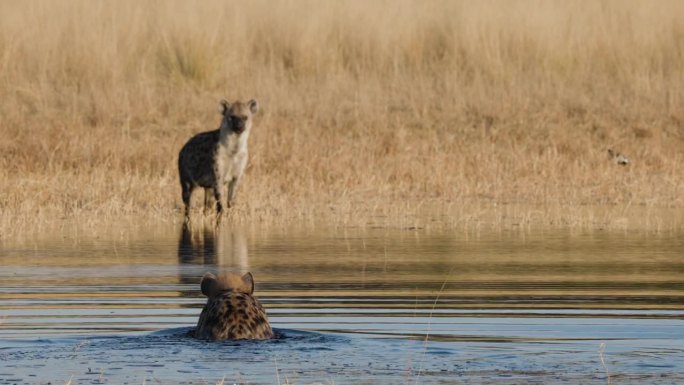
(231, 312)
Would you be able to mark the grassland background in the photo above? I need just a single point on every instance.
(373, 112)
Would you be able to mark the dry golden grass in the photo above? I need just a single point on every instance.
(381, 112)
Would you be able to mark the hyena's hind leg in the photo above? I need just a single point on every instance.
(187, 194)
(209, 200)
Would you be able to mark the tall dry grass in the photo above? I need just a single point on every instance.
(373, 112)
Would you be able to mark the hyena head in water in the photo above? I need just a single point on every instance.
(231, 311)
(213, 286)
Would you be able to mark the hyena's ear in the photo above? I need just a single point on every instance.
(224, 106)
(253, 106)
(248, 279)
(209, 285)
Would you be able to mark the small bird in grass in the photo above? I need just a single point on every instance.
(618, 158)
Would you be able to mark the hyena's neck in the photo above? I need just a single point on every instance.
(233, 143)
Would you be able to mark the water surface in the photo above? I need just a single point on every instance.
(349, 306)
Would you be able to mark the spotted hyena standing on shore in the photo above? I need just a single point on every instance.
(231, 312)
(215, 158)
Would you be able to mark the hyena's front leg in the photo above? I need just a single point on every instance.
(232, 189)
(217, 196)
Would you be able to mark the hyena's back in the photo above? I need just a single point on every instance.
(196, 160)
(233, 316)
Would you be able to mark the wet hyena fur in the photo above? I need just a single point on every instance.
(217, 158)
(231, 312)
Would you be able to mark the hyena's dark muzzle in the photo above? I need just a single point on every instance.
(239, 125)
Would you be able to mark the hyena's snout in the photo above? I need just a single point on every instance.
(239, 125)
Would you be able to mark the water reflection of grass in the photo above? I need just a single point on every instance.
(373, 113)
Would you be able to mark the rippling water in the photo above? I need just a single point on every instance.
(349, 306)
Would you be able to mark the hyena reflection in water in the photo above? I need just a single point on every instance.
(217, 158)
(204, 245)
(197, 247)
(231, 312)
